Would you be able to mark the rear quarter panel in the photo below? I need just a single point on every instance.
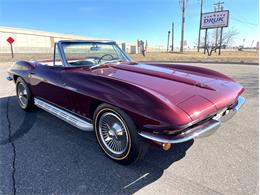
(21, 69)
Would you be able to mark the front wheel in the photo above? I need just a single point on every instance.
(117, 135)
(25, 98)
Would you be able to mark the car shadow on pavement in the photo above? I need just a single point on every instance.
(52, 157)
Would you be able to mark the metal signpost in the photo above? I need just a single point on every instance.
(205, 41)
(210, 20)
(10, 40)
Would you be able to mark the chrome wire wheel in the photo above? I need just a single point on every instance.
(113, 133)
(22, 94)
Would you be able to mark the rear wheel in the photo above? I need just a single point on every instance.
(117, 135)
(25, 98)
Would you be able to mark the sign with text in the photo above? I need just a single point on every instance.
(215, 19)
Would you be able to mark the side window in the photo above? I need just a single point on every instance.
(56, 57)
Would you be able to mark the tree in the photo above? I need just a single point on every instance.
(227, 39)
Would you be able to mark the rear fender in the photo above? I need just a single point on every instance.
(21, 69)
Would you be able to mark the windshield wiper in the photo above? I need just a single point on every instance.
(107, 62)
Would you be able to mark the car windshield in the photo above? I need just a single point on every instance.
(93, 54)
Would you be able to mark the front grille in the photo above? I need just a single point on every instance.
(177, 132)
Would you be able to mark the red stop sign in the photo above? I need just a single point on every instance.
(10, 40)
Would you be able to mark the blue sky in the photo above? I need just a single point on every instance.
(126, 19)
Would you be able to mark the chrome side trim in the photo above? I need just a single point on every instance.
(64, 115)
(201, 130)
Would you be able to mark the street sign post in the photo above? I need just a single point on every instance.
(217, 19)
(210, 20)
(10, 40)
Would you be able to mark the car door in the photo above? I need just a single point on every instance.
(47, 81)
(76, 85)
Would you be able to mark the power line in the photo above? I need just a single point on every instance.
(244, 22)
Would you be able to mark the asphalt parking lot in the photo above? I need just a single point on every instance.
(40, 154)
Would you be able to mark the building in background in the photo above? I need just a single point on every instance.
(35, 41)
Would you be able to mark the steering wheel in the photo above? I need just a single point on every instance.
(104, 56)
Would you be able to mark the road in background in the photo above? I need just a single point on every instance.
(40, 154)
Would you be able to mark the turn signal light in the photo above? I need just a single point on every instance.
(166, 146)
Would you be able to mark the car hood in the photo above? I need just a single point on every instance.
(197, 91)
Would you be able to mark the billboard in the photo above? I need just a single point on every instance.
(214, 19)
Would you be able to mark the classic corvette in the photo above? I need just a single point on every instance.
(94, 85)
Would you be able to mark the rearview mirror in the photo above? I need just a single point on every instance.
(95, 48)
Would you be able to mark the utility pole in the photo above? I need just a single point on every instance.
(169, 32)
(201, 5)
(172, 36)
(183, 21)
(218, 7)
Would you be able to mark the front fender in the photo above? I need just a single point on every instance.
(148, 109)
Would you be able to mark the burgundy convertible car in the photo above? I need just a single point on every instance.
(94, 85)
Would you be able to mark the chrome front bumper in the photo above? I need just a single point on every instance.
(200, 130)
(8, 78)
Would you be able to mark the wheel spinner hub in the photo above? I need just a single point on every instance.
(113, 133)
